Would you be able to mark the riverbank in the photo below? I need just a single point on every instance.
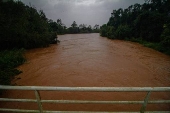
(156, 46)
(9, 60)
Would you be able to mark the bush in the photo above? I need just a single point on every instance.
(110, 32)
(103, 30)
(165, 40)
(123, 31)
(22, 26)
(149, 26)
(9, 60)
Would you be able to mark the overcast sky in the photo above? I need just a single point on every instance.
(89, 12)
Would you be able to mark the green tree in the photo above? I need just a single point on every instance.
(150, 26)
(89, 28)
(165, 39)
(149, 22)
(74, 28)
(103, 30)
(74, 24)
(123, 32)
(32, 26)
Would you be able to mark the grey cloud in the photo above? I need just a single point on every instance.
(89, 12)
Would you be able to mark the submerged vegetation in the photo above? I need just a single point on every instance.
(148, 24)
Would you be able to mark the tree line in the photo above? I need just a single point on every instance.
(148, 23)
(23, 26)
(61, 29)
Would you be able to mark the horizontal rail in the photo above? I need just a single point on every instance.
(85, 102)
(39, 101)
(35, 111)
(91, 89)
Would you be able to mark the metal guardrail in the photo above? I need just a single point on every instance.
(38, 100)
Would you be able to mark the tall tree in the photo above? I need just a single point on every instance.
(74, 24)
(59, 22)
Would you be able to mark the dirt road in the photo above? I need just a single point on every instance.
(90, 60)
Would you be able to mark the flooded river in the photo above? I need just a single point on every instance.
(88, 60)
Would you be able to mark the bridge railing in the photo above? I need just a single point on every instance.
(39, 101)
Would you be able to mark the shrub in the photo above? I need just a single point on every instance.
(9, 60)
(22, 26)
(123, 31)
(103, 30)
(165, 40)
(110, 32)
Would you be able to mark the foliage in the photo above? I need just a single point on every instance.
(123, 31)
(150, 26)
(82, 28)
(57, 27)
(107, 31)
(22, 26)
(60, 28)
(103, 30)
(165, 40)
(148, 22)
(9, 60)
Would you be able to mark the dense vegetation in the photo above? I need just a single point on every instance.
(9, 60)
(21, 26)
(148, 24)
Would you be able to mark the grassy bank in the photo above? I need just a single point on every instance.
(157, 46)
(9, 60)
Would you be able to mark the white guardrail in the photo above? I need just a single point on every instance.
(38, 100)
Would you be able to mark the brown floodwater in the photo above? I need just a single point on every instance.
(88, 60)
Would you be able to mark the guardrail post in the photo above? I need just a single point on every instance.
(37, 94)
(145, 102)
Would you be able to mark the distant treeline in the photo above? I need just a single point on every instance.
(82, 28)
(148, 24)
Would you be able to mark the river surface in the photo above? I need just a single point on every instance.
(88, 60)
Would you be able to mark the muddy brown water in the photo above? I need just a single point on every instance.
(88, 60)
